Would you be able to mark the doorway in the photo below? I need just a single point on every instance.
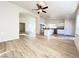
(22, 27)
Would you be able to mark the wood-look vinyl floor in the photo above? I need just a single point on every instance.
(39, 47)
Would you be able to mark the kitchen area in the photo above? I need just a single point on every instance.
(58, 26)
(51, 29)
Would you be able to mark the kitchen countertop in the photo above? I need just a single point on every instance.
(52, 28)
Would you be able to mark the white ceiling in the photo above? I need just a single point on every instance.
(55, 8)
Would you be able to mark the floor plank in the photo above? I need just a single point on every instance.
(40, 46)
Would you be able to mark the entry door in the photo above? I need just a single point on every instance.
(22, 27)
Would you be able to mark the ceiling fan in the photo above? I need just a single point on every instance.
(41, 8)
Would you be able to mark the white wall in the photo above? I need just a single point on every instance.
(9, 21)
(69, 25)
(77, 25)
(37, 24)
(54, 21)
(22, 18)
(77, 31)
(31, 25)
(42, 20)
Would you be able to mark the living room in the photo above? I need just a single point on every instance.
(46, 29)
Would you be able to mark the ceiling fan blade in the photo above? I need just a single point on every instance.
(44, 11)
(39, 6)
(38, 12)
(45, 7)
